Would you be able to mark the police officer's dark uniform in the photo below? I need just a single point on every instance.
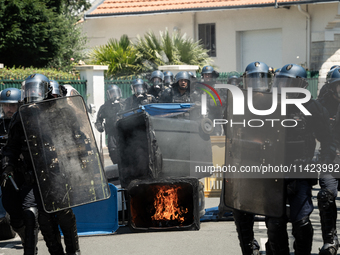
(139, 97)
(108, 112)
(15, 148)
(157, 88)
(329, 97)
(300, 147)
(11, 198)
(258, 77)
(36, 88)
(177, 94)
(209, 76)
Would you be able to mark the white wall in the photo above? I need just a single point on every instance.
(228, 24)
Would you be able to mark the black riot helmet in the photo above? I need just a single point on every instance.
(9, 102)
(333, 79)
(157, 78)
(138, 87)
(56, 89)
(113, 92)
(168, 78)
(35, 88)
(257, 76)
(209, 74)
(293, 76)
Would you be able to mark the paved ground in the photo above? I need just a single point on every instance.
(213, 238)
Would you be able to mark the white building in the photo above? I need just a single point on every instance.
(236, 31)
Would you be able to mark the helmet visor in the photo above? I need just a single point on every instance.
(281, 81)
(257, 81)
(34, 91)
(167, 80)
(138, 89)
(114, 93)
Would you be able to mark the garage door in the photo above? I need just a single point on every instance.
(261, 45)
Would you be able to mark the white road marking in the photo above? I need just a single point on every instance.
(263, 243)
(262, 225)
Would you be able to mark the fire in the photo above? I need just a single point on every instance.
(166, 204)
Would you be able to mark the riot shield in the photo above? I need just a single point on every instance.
(64, 153)
(254, 142)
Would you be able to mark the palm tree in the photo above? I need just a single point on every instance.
(121, 56)
(175, 49)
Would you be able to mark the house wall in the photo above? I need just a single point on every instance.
(229, 24)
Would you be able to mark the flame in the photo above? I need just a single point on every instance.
(166, 204)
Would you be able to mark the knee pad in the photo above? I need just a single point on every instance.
(303, 229)
(303, 234)
(325, 199)
(31, 216)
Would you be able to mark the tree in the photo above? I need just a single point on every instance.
(38, 33)
(120, 55)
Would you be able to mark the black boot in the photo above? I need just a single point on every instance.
(31, 231)
(303, 234)
(328, 216)
(50, 231)
(244, 225)
(67, 222)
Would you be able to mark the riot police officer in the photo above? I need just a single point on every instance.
(209, 75)
(330, 99)
(299, 149)
(157, 88)
(57, 89)
(168, 79)
(257, 75)
(234, 80)
(108, 112)
(9, 102)
(35, 89)
(180, 90)
(140, 96)
(15, 149)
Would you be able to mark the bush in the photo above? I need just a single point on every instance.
(22, 73)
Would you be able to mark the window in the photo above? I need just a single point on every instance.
(206, 33)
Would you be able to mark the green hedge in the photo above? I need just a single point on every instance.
(22, 73)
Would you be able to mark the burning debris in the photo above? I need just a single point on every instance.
(164, 204)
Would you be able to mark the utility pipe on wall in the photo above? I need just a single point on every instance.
(308, 43)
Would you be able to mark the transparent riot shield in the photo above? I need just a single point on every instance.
(255, 147)
(64, 153)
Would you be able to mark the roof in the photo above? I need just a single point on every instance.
(140, 7)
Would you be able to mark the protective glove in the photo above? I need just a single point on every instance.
(9, 170)
(99, 127)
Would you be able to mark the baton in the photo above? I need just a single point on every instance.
(13, 183)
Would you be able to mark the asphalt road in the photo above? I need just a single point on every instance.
(214, 237)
